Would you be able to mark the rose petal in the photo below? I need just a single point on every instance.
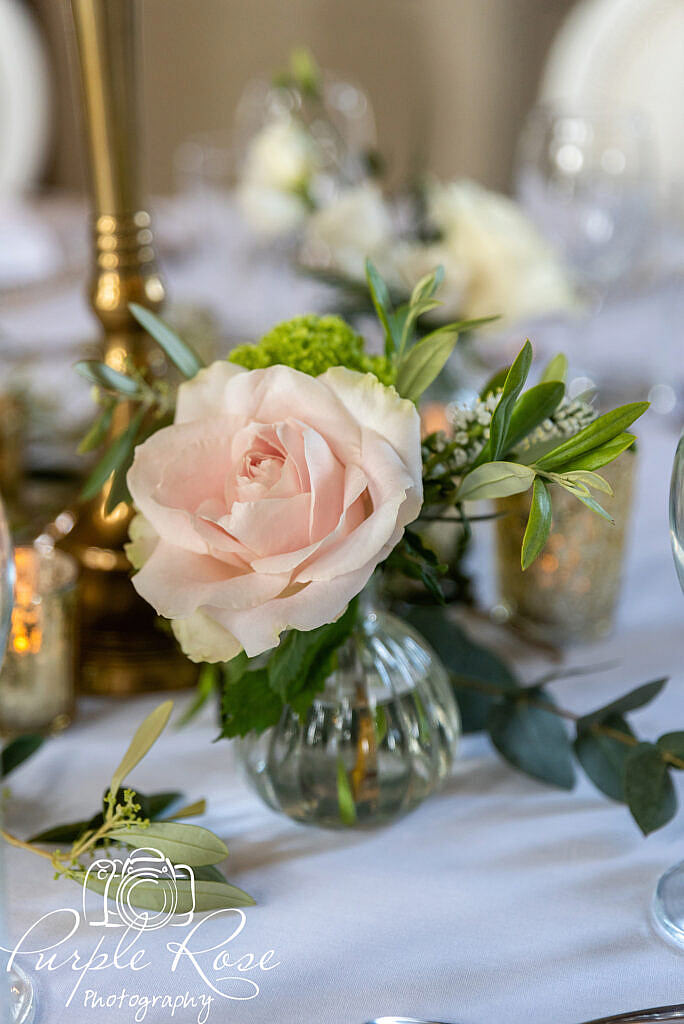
(176, 583)
(202, 639)
(204, 395)
(270, 526)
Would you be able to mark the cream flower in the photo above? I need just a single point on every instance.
(271, 500)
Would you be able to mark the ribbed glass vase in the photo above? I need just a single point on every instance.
(378, 740)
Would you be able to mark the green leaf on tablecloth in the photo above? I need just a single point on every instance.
(181, 843)
(601, 430)
(345, 797)
(248, 704)
(147, 733)
(636, 698)
(495, 480)
(467, 662)
(534, 406)
(556, 369)
(182, 355)
(532, 738)
(17, 751)
(603, 757)
(108, 378)
(649, 792)
(538, 524)
(158, 894)
(302, 659)
(152, 807)
(119, 451)
(601, 456)
(672, 743)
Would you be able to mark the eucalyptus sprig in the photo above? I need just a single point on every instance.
(538, 737)
(129, 819)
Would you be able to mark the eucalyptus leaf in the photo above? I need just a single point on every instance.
(108, 378)
(636, 698)
(495, 480)
(556, 369)
(147, 733)
(181, 843)
(182, 355)
(532, 739)
(158, 894)
(649, 792)
(115, 456)
(672, 743)
(603, 757)
(538, 524)
(595, 434)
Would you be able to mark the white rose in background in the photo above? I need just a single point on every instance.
(276, 177)
(413, 260)
(269, 502)
(509, 269)
(356, 225)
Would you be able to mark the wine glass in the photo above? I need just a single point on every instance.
(587, 179)
(668, 900)
(17, 1000)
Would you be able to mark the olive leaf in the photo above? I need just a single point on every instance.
(182, 355)
(601, 456)
(107, 377)
(501, 417)
(99, 430)
(597, 433)
(147, 733)
(495, 480)
(380, 296)
(538, 523)
(556, 369)
(187, 844)
(159, 894)
(424, 362)
(120, 449)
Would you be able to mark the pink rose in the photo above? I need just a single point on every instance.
(270, 501)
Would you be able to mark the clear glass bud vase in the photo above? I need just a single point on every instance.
(379, 738)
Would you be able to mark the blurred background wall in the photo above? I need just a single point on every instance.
(450, 80)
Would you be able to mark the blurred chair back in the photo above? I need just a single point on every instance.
(618, 54)
(24, 100)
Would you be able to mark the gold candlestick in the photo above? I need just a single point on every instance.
(123, 650)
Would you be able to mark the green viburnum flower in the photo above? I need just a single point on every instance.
(313, 344)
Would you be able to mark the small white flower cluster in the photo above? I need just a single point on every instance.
(471, 425)
(471, 428)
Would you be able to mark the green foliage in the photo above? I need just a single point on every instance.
(495, 480)
(312, 344)
(603, 430)
(538, 524)
(131, 819)
(254, 697)
(531, 732)
(182, 355)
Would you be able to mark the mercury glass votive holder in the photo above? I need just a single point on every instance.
(569, 594)
(37, 680)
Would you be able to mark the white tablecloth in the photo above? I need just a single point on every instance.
(498, 899)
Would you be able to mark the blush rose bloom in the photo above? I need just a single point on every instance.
(269, 502)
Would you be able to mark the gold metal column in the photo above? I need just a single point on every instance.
(123, 649)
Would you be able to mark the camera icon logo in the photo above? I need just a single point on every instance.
(146, 891)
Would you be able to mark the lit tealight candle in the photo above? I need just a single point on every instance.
(37, 678)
